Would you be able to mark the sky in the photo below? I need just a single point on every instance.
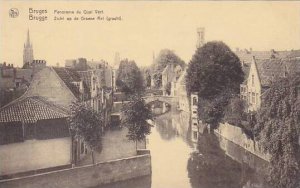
(145, 28)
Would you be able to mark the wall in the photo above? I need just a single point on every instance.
(46, 83)
(34, 154)
(236, 135)
(87, 176)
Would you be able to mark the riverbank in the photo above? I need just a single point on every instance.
(89, 175)
(237, 136)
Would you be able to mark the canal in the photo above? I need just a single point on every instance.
(178, 161)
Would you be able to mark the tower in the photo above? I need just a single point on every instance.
(117, 60)
(27, 51)
(200, 35)
(115, 71)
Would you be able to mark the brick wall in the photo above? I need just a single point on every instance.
(86, 176)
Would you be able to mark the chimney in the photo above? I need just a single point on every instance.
(237, 49)
(250, 49)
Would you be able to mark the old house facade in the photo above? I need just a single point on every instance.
(34, 135)
(261, 74)
(51, 92)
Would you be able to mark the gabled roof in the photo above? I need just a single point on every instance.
(69, 76)
(246, 56)
(30, 110)
(270, 69)
(181, 79)
(166, 69)
(246, 70)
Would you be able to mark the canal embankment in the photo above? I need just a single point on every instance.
(89, 175)
(237, 136)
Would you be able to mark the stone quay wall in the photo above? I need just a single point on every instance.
(236, 135)
(87, 176)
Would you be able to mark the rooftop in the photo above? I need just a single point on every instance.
(30, 110)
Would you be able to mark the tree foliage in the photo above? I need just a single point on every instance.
(130, 79)
(278, 130)
(215, 73)
(134, 116)
(86, 125)
(164, 58)
(234, 111)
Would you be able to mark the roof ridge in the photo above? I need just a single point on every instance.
(64, 84)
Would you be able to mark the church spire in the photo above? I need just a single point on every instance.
(27, 51)
(28, 39)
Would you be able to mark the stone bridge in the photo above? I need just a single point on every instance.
(167, 99)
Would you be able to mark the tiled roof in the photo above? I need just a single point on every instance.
(86, 77)
(246, 70)
(294, 54)
(31, 109)
(69, 76)
(269, 69)
(246, 56)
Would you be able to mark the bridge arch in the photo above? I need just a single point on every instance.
(167, 99)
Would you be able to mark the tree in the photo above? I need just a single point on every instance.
(235, 111)
(164, 58)
(134, 116)
(215, 73)
(86, 125)
(130, 79)
(278, 131)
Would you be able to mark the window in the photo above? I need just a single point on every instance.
(195, 135)
(252, 80)
(253, 97)
(249, 97)
(194, 112)
(194, 101)
(81, 148)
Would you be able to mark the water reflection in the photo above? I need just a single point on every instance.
(209, 167)
(178, 162)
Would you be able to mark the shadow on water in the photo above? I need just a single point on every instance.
(210, 167)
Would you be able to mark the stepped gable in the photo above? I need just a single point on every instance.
(31, 109)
